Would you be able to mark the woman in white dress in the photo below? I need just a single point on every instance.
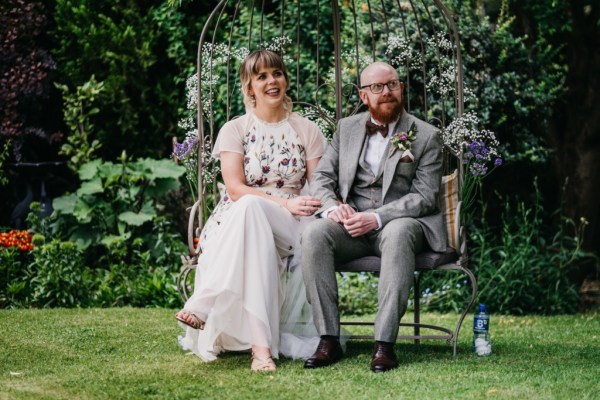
(266, 157)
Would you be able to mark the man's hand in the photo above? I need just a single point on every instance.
(360, 223)
(343, 212)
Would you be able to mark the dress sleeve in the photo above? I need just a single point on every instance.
(230, 138)
(314, 140)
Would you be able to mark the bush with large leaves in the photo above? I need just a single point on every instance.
(114, 200)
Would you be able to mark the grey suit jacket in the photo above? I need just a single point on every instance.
(410, 189)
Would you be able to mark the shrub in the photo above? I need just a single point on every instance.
(136, 49)
(58, 276)
(24, 80)
(523, 269)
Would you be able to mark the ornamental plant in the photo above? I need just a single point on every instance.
(114, 203)
(479, 149)
(20, 240)
(24, 80)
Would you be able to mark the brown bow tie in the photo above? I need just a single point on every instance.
(373, 128)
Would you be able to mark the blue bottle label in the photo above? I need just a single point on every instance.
(481, 324)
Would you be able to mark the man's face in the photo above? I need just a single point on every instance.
(385, 107)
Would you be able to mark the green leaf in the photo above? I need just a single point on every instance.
(164, 168)
(91, 187)
(161, 186)
(82, 211)
(89, 170)
(134, 219)
(65, 204)
(110, 240)
(83, 237)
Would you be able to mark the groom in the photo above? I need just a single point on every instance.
(378, 182)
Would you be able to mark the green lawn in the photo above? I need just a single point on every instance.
(133, 354)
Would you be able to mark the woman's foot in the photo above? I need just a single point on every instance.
(262, 360)
(190, 319)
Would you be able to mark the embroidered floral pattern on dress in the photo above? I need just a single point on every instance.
(274, 162)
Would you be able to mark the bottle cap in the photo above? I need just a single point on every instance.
(482, 307)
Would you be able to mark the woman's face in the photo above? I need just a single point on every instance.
(268, 87)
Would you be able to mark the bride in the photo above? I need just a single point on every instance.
(248, 293)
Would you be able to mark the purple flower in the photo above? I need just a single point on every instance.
(403, 137)
(182, 150)
(285, 161)
(478, 169)
(266, 169)
(498, 162)
(279, 183)
(253, 138)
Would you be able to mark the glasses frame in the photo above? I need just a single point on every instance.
(398, 81)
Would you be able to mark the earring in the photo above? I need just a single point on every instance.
(253, 100)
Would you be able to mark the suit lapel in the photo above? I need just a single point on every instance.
(354, 140)
(392, 161)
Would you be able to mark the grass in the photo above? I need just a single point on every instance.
(127, 353)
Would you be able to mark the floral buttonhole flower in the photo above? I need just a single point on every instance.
(403, 141)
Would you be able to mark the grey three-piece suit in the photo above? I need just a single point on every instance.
(403, 193)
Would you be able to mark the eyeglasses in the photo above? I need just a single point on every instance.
(376, 88)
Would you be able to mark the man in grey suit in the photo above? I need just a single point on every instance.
(378, 182)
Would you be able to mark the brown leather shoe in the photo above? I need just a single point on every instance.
(384, 357)
(328, 352)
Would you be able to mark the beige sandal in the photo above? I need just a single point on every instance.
(263, 364)
(195, 322)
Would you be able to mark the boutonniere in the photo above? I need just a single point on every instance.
(403, 141)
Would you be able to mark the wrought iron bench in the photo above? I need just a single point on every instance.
(325, 44)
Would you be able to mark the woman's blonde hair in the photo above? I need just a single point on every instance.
(251, 66)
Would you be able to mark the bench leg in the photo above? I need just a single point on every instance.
(417, 315)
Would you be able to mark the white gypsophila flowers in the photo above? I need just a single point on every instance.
(440, 41)
(442, 79)
(402, 53)
(464, 131)
(187, 123)
(349, 70)
(322, 122)
(278, 44)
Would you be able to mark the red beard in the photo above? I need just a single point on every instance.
(387, 109)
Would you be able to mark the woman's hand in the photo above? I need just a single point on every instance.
(303, 205)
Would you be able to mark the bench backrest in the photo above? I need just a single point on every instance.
(325, 45)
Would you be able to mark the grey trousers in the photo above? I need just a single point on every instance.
(326, 243)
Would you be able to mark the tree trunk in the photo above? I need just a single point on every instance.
(577, 142)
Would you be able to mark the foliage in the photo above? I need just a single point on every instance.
(479, 151)
(56, 276)
(513, 94)
(525, 269)
(528, 271)
(13, 282)
(24, 74)
(4, 153)
(77, 113)
(357, 293)
(131, 47)
(114, 200)
(104, 245)
(139, 272)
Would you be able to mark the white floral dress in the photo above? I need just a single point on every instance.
(240, 284)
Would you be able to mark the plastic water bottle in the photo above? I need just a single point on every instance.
(481, 336)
